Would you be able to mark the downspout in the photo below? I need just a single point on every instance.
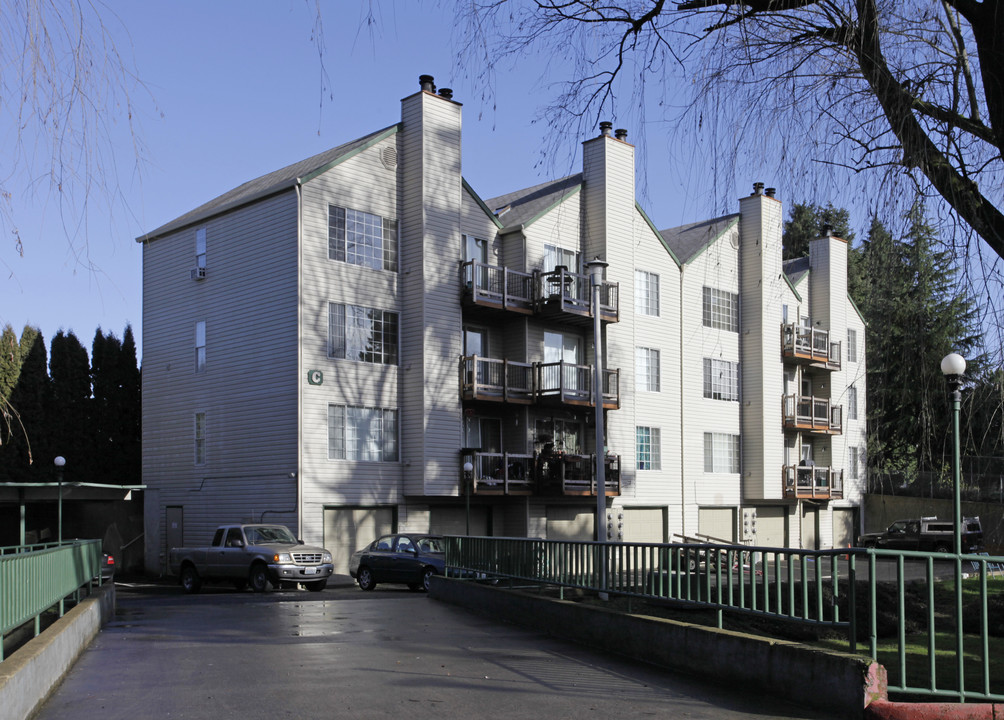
(742, 370)
(298, 480)
(683, 444)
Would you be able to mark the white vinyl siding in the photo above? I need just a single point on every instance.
(721, 379)
(360, 433)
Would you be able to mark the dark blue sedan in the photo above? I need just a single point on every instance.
(406, 558)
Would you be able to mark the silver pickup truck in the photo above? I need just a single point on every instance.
(254, 555)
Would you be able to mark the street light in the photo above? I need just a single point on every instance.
(59, 462)
(953, 366)
(595, 269)
(468, 481)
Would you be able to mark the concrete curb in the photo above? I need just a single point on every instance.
(885, 710)
(838, 683)
(30, 674)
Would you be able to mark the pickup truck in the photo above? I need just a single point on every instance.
(926, 534)
(254, 555)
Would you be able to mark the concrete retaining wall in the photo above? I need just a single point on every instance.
(837, 682)
(30, 674)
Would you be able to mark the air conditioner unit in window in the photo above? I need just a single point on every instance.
(198, 273)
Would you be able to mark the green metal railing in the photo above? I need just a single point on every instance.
(37, 578)
(837, 590)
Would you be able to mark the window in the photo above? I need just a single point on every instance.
(362, 334)
(646, 293)
(200, 438)
(475, 249)
(646, 369)
(852, 345)
(555, 256)
(852, 403)
(648, 450)
(852, 462)
(721, 453)
(721, 309)
(721, 379)
(362, 433)
(200, 248)
(362, 239)
(200, 346)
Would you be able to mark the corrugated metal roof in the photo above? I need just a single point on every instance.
(687, 241)
(524, 206)
(266, 185)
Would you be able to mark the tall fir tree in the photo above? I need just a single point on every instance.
(69, 369)
(808, 222)
(10, 367)
(129, 410)
(25, 457)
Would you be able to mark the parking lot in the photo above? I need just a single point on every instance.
(343, 652)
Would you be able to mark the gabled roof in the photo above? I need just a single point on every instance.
(524, 206)
(272, 183)
(687, 241)
(796, 269)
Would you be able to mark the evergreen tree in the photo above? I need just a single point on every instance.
(129, 410)
(10, 367)
(24, 456)
(71, 399)
(808, 222)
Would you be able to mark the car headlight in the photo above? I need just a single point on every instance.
(326, 557)
(282, 558)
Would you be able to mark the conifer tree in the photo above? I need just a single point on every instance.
(69, 369)
(23, 458)
(808, 222)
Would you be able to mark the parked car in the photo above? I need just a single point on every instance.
(408, 559)
(107, 567)
(926, 534)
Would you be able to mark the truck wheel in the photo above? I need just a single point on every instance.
(941, 547)
(258, 578)
(190, 579)
(365, 578)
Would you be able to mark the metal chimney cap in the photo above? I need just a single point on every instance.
(427, 83)
(620, 134)
(606, 127)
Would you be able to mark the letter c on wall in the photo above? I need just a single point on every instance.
(315, 377)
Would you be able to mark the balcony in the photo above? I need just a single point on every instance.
(811, 346)
(557, 383)
(812, 414)
(552, 474)
(566, 296)
(493, 287)
(813, 482)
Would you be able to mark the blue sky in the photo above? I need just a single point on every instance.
(233, 90)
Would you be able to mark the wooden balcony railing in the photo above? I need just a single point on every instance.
(544, 474)
(499, 287)
(493, 379)
(813, 481)
(811, 345)
(567, 293)
(572, 384)
(813, 414)
(525, 383)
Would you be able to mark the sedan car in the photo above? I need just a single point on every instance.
(407, 559)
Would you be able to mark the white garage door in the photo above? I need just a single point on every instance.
(771, 526)
(717, 523)
(644, 525)
(348, 529)
(453, 521)
(843, 527)
(570, 523)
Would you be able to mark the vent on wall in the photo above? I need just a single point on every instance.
(388, 156)
(198, 273)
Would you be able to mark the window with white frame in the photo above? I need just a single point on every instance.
(200, 438)
(555, 256)
(200, 346)
(720, 309)
(200, 248)
(362, 334)
(647, 369)
(852, 345)
(361, 238)
(646, 293)
(852, 403)
(721, 453)
(648, 448)
(721, 379)
(853, 459)
(362, 433)
(475, 249)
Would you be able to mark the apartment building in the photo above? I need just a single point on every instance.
(330, 345)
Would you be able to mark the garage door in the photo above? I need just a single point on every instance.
(771, 526)
(348, 529)
(570, 523)
(453, 521)
(644, 525)
(843, 527)
(717, 523)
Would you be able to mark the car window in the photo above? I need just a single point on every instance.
(234, 538)
(404, 544)
(383, 543)
(430, 545)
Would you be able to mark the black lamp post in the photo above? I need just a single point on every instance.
(59, 462)
(468, 481)
(953, 366)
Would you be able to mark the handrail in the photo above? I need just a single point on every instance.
(35, 578)
(819, 588)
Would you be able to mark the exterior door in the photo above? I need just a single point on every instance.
(558, 347)
(810, 527)
(175, 522)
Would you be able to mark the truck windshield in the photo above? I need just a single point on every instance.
(261, 534)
